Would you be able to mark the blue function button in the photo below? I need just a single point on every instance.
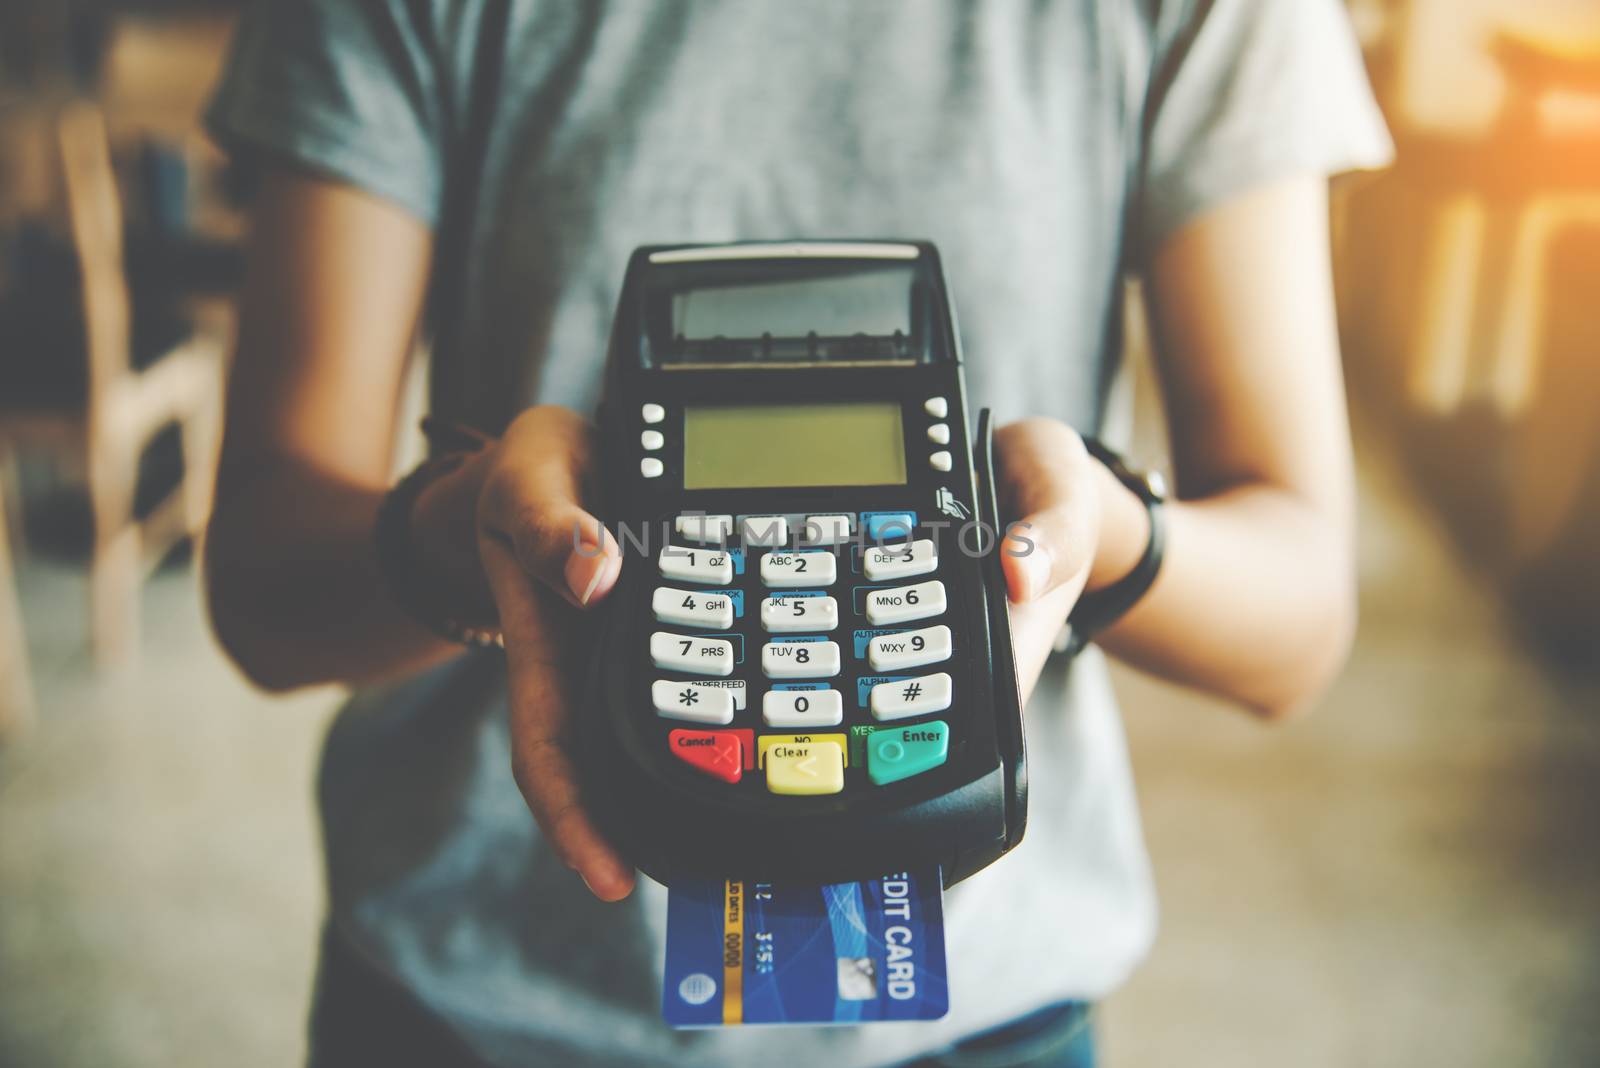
(895, 753)
(888, 526)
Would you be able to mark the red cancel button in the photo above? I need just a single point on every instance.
(719, 754)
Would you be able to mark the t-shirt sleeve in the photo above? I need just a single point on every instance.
(1245, 92)
(347, 89)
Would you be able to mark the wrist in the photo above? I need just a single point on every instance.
(444, 531)
(1124, 530)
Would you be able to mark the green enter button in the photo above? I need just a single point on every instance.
(895, 753)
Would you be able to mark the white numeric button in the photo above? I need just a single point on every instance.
(886, 563)
(825, 530)
(733, 686)
(705, 529)
(692, 702)
(904, 698)
(653, 413)
(798, 570)
(800, 660)
(802, 708)
(687, 608)
(909, 649)
(712, 566)
(905, 603)
(765, 530)
(799, 615)
(697, 656)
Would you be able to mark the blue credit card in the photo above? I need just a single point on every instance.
(767, 953)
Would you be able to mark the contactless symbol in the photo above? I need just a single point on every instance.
(697, 989)
(947, 504)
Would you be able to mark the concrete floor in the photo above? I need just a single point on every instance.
(1410, 876)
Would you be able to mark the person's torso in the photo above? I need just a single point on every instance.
(999, 131)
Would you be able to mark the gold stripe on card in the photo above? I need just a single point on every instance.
(733, 952)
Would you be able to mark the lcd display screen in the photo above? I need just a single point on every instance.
(793, 445)
(874, 302)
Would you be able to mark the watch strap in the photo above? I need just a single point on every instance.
(1099, 609)
(408, 579)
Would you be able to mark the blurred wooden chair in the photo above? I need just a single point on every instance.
(16, 681)
(127, 399)
(1503, 203)
(1468, 287)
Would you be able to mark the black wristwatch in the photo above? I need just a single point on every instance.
(1096, 611)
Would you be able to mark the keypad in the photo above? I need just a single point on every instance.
(909, 649)
(890, 563)
(692, 702)
(800, 769)
(767, 742)
(826, 530)
(691, 608)
(805, 709)
(798, 615)
(832, 666)
(905, 604)
(889, 526)
(709, 566)
(800, 660)
(691, 655)
(719, 754)
(791, 570)
(704, 529)
(764, 530)
(904, 698)
(901, 752)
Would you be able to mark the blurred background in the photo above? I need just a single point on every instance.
(1409, 876)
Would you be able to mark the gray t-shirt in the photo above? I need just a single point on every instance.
(1046, 148)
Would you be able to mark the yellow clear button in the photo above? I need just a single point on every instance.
(765, 743)
(800, 769)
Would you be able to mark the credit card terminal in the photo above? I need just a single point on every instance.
(805, 670)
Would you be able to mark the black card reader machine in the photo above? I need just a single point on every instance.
(805, 671)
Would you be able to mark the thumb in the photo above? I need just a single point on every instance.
(531, 503)
(1047, 481)
(1045, 551)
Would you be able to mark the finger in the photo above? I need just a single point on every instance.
(544, 771)
(1046, 479)
(532, 503)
